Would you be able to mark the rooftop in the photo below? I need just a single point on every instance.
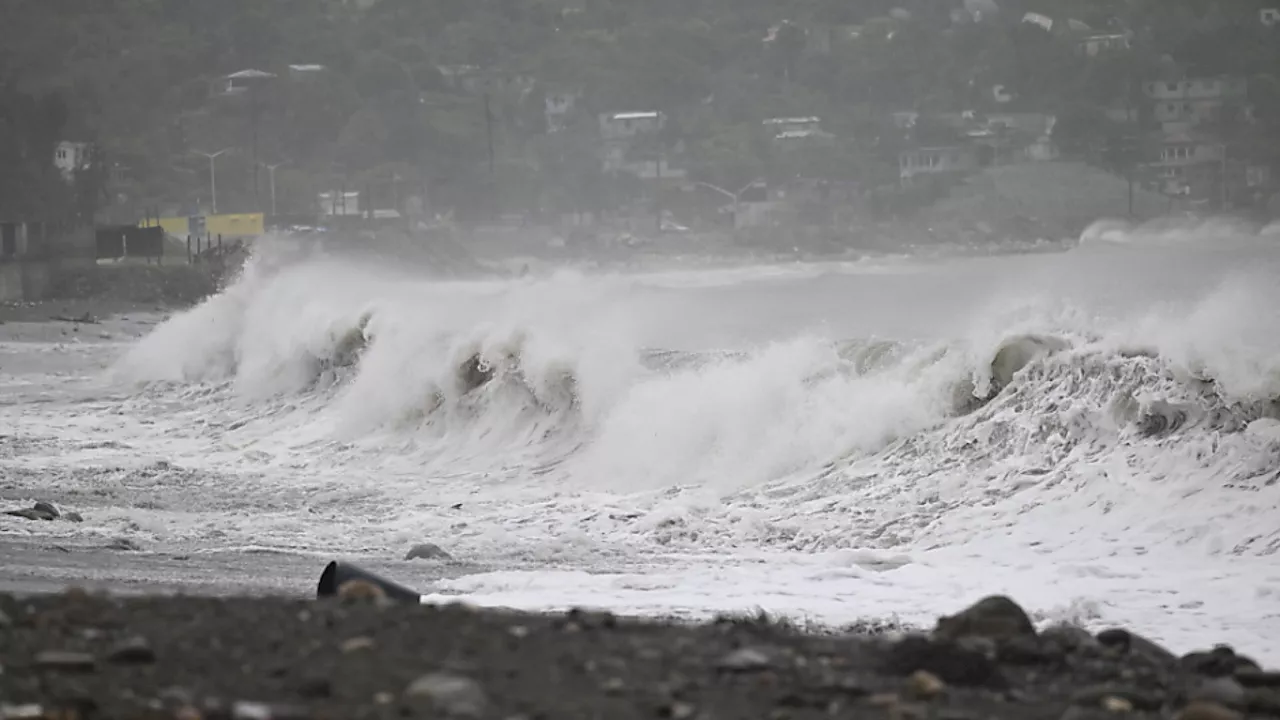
(647, 115)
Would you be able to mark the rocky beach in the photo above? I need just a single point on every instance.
(82, 655)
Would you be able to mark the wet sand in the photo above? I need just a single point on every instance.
(31, 564)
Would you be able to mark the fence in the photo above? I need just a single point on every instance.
(114, 242)
(209, 248)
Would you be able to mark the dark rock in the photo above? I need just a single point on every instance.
(996, 617)
(1069, 638)
(1206, 711)
(427, 551)
(452, 695)
(1244, 663)
(60, 661)
(134, 651)
(1123, 642)
(1115, 639)
(1078, 712)
(123, 544)
(952, 662)
(745, 660)
(803, 699)
(1247, 677)
(46, 507)
(315, 688)
(31, 514)
(981, 645)
(1262, 701)
(1096, 696)
(586, 619)
(1223, 690)
(74, 517)
(1214, 663)
(1029, 650)
(677, 711)
(956, 714)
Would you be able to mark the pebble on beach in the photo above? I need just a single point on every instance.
(79, 655)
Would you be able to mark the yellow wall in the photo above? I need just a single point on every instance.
(225, 224)
(172, 225)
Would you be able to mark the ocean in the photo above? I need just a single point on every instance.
(1094, 432)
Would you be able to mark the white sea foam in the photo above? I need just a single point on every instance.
(1090, 430)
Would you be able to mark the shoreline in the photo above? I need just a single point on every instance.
(359, 655)
(43, 565)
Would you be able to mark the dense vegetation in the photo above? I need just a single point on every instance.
(141, 79)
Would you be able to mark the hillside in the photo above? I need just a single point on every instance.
(1052, 200)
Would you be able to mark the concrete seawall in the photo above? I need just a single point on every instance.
(24, 280)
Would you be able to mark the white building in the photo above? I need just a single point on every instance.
(630, 125)
(796, 128)
(1095, 45)
(936, 160)
(1195, 101)
(1189, 163)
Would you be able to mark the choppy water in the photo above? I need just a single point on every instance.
(1093, 431)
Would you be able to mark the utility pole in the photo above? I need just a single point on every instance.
(493, 181)
(253, 127)
(213, 178)
(1224, 178)
(488, 126)
(252, 81)
(271, 175)
(1130, 178)
(1131, 160)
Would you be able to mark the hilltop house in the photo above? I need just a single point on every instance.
(797, 128)
(1189, 162)
(1002, 138)
(936, 161)
(1094, 45)
(475, 80)
(1196, 101)
(630, 143)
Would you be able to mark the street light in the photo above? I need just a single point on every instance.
(249, 81)
(271, 174)
(736, 197)
(213, 178)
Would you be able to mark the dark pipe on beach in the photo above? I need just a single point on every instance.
(337, 574)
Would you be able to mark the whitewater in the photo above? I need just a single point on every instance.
(1095, 431)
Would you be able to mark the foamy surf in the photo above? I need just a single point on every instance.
(1091, 429)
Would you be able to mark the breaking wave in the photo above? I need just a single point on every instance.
(1130, 361)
